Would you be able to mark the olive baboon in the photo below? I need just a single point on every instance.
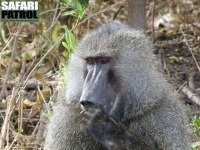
(127, 103)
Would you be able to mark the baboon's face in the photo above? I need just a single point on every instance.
(100, 85)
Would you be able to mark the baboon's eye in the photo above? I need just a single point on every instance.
(104, 61)
(90, 61)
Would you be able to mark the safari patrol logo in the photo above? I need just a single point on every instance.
(26, 10)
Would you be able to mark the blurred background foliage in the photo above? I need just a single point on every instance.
(33, 58)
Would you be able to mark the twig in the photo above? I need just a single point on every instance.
(10, 102)
(190, 49)
(41, 127)
(116, 14)
(29, 68)
(41, 60)
(10, 63)
(153, 32)
(55, 17)
(101, 11)
(7, 44)
(23, 68)
(45, 103)
(181, 87)
(4, 128)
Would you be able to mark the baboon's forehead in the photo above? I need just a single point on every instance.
(111, 45)
(111, 40)
(95, 44)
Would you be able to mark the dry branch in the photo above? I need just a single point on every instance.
(9, 67)
(11, 102)
(192, 96)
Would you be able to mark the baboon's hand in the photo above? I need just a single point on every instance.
(96, 124)
(94, 121)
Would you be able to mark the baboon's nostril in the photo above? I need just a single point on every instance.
(86, 103)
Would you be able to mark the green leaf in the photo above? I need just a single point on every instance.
(197, 121)
(69, 13)
(195, 144)
(47, 115)
(70, 40)
(174, 58)
(79, 10)
(84, 2)
(21, 130)
(65, 45)
(21, 93)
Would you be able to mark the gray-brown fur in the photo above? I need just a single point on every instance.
(151, 109)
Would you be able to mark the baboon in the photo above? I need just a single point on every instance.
(116, 97)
